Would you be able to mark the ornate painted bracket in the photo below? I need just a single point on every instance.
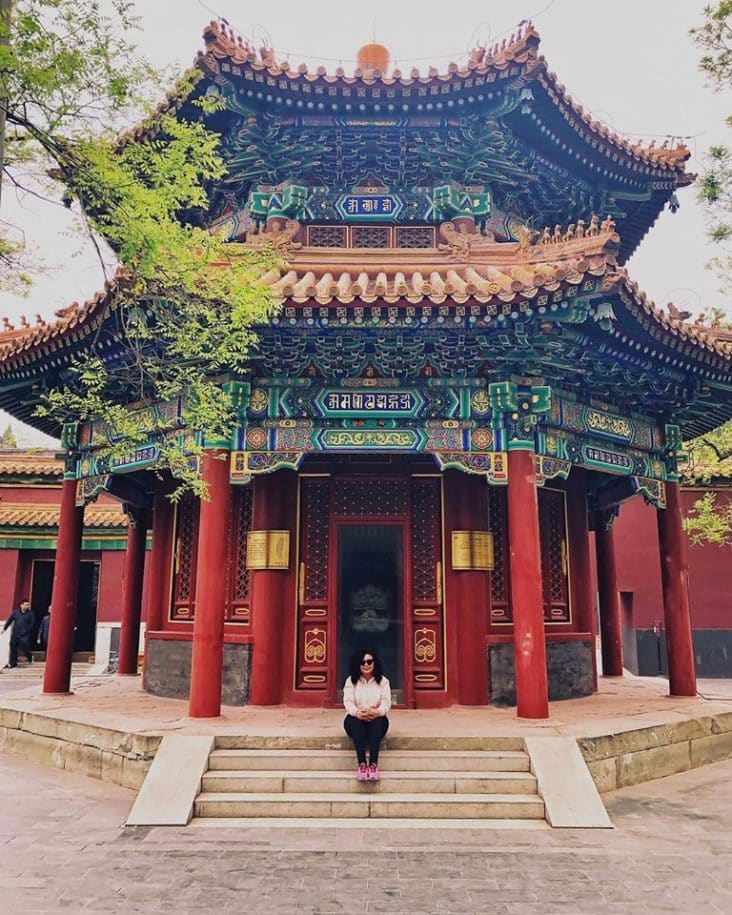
(289, 202)
(653, 491)
(516, 412)
(672, 450)
(451, 200)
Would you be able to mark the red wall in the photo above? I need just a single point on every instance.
(35, 495)
(639, 571)
(9, 581)
(110, 587)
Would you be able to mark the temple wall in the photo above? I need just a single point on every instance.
(642, 602)
(569, 668)
(109, 606)
(47, 494)
(168, 670)
(9, 581)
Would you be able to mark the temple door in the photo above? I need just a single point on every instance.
(184, 569)
(313, 605)
(555, 571)
(427, 609)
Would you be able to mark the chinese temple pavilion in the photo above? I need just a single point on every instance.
(462, 382)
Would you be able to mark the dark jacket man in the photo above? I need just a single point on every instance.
(43, 631)
(24, 621)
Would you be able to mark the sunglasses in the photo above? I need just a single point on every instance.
(367, 662)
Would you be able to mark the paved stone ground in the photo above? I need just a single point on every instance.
(62, 849)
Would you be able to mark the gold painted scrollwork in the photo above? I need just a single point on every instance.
(425, 645)
(315, 646)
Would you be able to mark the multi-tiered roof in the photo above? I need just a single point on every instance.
(482, 199)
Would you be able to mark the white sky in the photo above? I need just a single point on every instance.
(630, 62)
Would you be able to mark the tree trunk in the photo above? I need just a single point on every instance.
(6, 9)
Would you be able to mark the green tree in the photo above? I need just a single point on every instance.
(710, 456)
(186, 305)
(8, 439)
(714, 38)
(709, 463)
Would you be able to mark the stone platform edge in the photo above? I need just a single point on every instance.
(615, 760)
(120, 757)
(639, 755)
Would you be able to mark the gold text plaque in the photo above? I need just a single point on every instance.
(268, 550)
(472, 550)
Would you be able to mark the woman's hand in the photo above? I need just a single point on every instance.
(367, 714)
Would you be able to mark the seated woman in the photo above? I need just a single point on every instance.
(367, 700)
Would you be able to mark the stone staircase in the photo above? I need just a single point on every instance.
(35, 671)
(426, 781)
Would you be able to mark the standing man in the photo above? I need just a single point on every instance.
(43, 630)
(23, 621)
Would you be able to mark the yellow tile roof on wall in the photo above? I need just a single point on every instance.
(27, 515)
(24, 463)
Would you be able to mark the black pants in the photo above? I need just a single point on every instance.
(366, 734)
(22, 643)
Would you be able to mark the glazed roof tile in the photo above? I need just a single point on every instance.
(23, 463)
(25, 515)
(521, 49)
(481, 272)
(72, 322)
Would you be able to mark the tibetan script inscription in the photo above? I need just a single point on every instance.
(370, 206)
(350, 402)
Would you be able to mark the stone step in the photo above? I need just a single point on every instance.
(339, 741)
(36, 671)
(394, 760)
(408, 806)
(404, 782)
(361, 823)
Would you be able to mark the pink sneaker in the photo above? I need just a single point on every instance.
(374, 774)
(362, 773)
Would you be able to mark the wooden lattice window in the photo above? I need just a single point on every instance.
(186, 546)
(414, 237)
(500, 576)
(427, 612)
(425, 539)
(370, 237)
(313, 644)
(237, 609)
(327, 236)
(552, 531)
(365, 498)
(316, 496)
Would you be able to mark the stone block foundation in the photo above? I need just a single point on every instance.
(168, 670)
(569, 668)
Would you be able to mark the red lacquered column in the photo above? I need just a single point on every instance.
(466, 508)
(675, 581)
(581, 559)
(275, 502)
(129, 635)
(527, 602)
(611, 627)
(160, 557)
(208, 625)
(57, 676)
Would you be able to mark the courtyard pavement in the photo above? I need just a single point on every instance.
(63, 849)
